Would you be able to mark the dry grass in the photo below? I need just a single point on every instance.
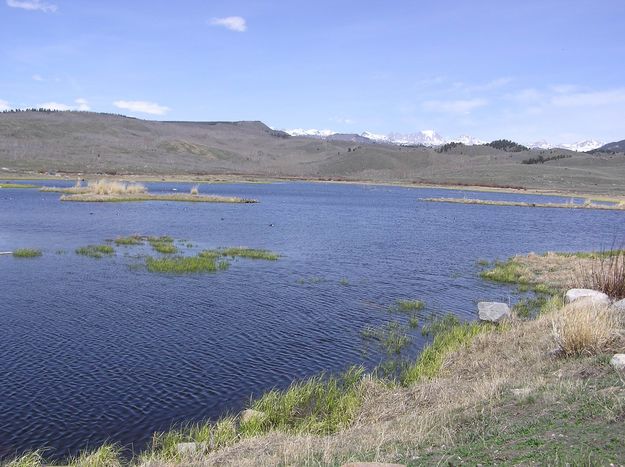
(195, 190)
(607, 274)
(582, 328)
(127, 197)
(112, 187)
(586, 205)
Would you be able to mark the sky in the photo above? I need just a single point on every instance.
(525, 70)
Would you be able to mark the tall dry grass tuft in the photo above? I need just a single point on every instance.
(607, 274)
(582, 328)
(195, 190)
(108, 187)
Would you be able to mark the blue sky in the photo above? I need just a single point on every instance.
(528, 70)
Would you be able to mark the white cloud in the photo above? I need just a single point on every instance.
(4, 105)
(33, 5)
(461, 106)
(234, 23)
(145, 107)
(80, 104)
(37, 77)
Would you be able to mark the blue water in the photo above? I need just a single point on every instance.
(102, 350)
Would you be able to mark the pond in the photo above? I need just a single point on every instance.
(95, 350)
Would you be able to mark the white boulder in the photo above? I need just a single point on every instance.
(493, 311)
(594, 296)
(618, 361)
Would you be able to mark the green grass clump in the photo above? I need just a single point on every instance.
(439, 325)
(430, 361)
(507, 272)
(27, 253)
(31, 459)
(185, 264)
(250, 253)
(392, 336)
(318, 405)
(106, 455)
(163, 244)
(406, 306)
(130, 240)
(95, 251)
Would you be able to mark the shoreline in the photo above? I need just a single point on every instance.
(266, 179)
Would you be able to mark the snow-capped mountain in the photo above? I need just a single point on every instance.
(375, 137)
(581, 146)
(467, 140)
(312, 132)
(424, 137)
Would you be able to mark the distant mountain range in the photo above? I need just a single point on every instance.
(429, 138)
(618, 146)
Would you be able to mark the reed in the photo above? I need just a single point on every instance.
(131, 240)
(95, 251)
(250, 253)
(185, 264)
(27, 253)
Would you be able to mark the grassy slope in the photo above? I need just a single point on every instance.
(97, 143)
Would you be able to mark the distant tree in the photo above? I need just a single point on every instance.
(507, 145)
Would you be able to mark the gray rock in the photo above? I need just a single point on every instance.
(619, 306)
(189, 449)
(618, 361)
(594, 296)
(493, 311)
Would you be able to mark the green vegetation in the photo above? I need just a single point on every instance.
(392, 336)
(449, 146)
(343, 281)
(430, 361)
(27, 253)
(131, 240)
(407, 306)
(507, 145)
(31, 459)
(17, 185)
(185, 264)
(95, 251)
(106, 455)
(249, 253)
(163, 244)
(508, 272)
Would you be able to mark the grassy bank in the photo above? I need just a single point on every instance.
(94, 198)
(586, 205)
(17, 185)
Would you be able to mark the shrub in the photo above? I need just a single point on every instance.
(582, 328)
(607, 274)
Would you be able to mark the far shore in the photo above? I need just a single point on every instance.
(264, 179)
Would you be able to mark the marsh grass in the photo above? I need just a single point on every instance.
(31, 459)
(407, 306)
(27, 253)
(107, 455)
(582, 328)
(392, 336)
(131, 240)
(112, 187)
(163, 244)
(96, 251)
(586, 205)
(249, 253)
(431, 359)
(195, 190)
(185, 264)
(607, 274)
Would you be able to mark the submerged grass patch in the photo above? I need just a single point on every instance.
(27, 253)
(407, 306)
(392, 336)
(95, 251)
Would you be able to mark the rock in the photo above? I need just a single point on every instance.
(493, 311)
(189, 449)
(595, 297)
(618, 361)
(249, 414)
(619, 306)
